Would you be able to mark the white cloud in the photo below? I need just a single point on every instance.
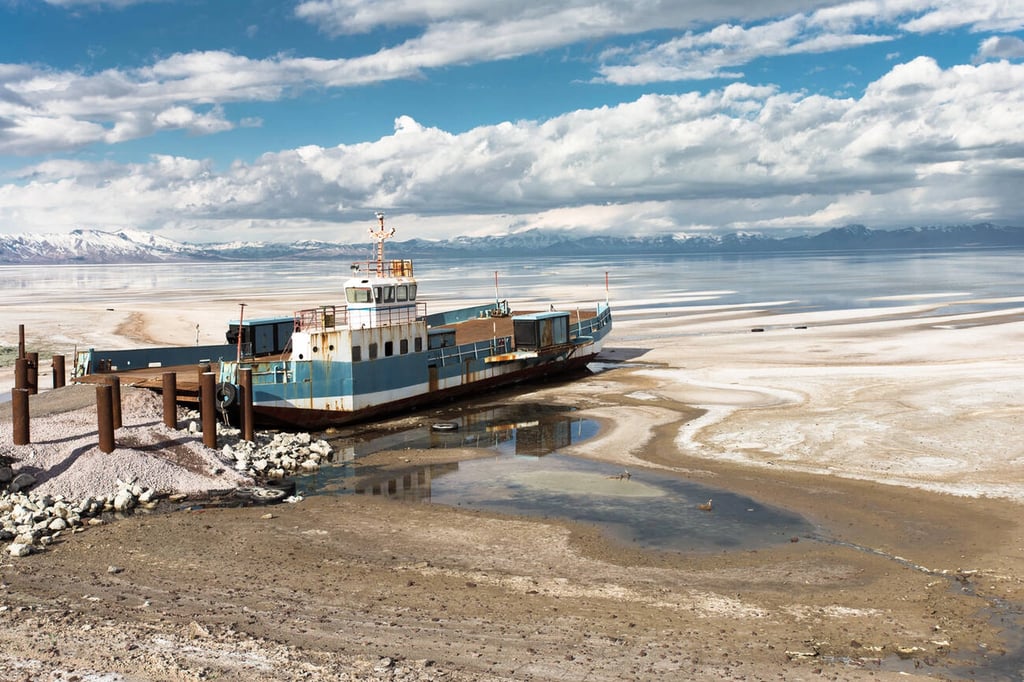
(977, 15)
(1000, 47)
(713, 53)
(47, 110)
(922, 143)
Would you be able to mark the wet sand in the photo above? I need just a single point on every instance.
(898, 436)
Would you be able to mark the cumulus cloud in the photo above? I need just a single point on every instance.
(922, 143)
(1000, 47)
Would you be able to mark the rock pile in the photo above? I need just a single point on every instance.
(30, 522)
(278, 455)
(272, 455)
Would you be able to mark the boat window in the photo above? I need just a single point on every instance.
(418, 345)
(389, 348)
(358, 295)
(373, 351)
(357, 353)
(378, 294)
(412, 292)
(403, 346)
(389, 294)
(401, 292)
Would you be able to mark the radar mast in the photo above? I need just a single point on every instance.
(380, 235)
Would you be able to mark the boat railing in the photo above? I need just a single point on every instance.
(324, 317)
(471, 351)
(329, 316)
(587, 327)
(388, 268)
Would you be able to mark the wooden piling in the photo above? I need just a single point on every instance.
(20, 415)
(33, 372)
(115, 399)
(208, 407)
(105, 417)
(57, 366)
(245, 403)
(170, 393)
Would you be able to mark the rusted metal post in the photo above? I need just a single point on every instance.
(105, 417)
(208, 408)
(59, 377)
(33, 372)
(21, 340)
(204, 367)
(21, 373)
(241, 314)
(170, 393)
(115, 399)
(19, 415)
(245, 403)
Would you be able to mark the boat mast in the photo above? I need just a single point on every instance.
(380, 235)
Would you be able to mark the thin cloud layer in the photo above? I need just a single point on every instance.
(923, 143)
(44, 110)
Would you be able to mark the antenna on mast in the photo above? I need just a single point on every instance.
(380, 235)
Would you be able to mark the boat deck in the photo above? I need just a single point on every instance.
(186, 380)
(187, 376)
(486, 328)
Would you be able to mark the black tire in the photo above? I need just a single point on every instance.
(243, 493)
(444, 426)
(268, 495)
(285, 484)
(227, 394)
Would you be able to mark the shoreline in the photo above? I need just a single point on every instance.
(845, 423)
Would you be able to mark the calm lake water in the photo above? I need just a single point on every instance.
(788, 281)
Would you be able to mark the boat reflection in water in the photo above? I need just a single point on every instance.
(520, 471)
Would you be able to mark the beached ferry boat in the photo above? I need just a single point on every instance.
(380, 351)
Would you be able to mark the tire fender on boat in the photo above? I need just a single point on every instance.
(227, 394)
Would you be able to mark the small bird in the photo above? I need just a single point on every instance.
(706, 506)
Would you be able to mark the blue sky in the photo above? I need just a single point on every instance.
(258, 120)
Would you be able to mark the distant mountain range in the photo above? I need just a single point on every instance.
(135, 246)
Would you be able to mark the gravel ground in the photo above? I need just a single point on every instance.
(65, 459)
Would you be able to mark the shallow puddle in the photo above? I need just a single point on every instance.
(526, 475)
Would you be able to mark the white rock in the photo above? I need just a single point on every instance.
(124, 500)
(19, 549)
(57, 524)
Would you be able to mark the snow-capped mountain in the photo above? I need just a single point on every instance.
(136, 246)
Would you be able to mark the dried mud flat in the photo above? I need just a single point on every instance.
(362, 588)
(900, 581)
